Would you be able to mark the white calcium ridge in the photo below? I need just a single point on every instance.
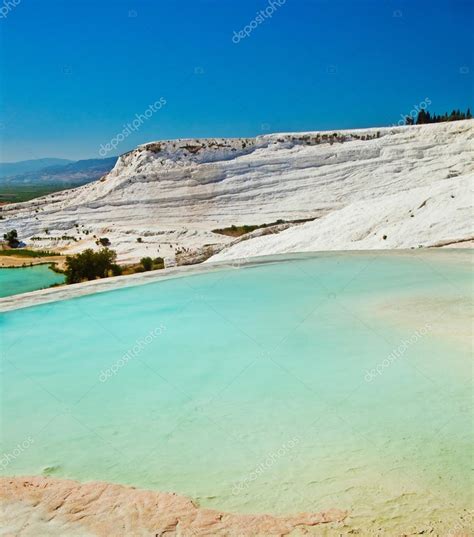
(393, 187)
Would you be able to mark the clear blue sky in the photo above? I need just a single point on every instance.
(73, 72)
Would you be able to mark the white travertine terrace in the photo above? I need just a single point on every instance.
(382, 188)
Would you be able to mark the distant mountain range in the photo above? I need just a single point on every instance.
(28, 179)
(51, 171)
(25, 166)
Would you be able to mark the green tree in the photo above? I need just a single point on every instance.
(147, 263)
(421, 119)
(158, 263)
(116, 269)
(90, 265)
(12, 238)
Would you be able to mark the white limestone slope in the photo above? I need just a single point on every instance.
(437, 215)
(409, 184)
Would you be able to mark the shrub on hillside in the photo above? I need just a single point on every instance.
(12, 238)
(158, 263)
(147, 263)
(90, 265)
(115, 269)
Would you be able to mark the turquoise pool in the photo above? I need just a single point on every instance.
(14, 281)
(330, 380)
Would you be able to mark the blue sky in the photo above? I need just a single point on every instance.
(74, 72)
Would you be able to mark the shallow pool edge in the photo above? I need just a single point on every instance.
(65, 292)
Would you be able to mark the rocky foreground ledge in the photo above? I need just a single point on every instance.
(42, 506)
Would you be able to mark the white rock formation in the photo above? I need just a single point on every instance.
(411, 185)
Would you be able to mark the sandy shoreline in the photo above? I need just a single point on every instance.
(57, 507)
(17, 261)
(41, 506)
